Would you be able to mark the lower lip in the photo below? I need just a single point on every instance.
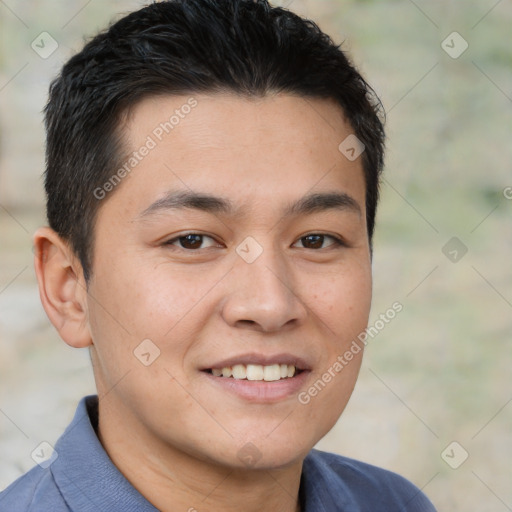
(260, 391)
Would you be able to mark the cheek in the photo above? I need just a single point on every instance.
(171, 304)
(137, 298)
(156, 303)
(342, 305)
(342, 300)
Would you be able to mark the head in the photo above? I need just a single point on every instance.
(246, 48)
(224, 119)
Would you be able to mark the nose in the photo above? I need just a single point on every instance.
(261, 295)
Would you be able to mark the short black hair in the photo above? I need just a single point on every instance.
(247, 47)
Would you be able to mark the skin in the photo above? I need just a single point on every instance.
(173, 434)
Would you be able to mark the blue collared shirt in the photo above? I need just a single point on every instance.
(82, 478)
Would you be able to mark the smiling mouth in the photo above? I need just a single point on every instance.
(256, 372)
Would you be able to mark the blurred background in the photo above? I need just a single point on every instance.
(433, 402)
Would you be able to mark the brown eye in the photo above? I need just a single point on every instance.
(316, 241)
(191, 241)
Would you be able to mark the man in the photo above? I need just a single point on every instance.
(212, 181)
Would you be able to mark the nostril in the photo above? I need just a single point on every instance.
(246, 322)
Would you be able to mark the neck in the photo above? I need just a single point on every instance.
(173, 480)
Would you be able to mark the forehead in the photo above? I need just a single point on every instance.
(254, 150)
(263, 112)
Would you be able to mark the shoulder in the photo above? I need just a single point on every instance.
(363, 485)
(35, 491)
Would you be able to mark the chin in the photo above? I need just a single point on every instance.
(265, 452)
(260, 453)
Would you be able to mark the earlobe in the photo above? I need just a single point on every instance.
(62, 288)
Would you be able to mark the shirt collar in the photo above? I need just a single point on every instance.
(86, 477)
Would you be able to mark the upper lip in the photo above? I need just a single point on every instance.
(263, 360)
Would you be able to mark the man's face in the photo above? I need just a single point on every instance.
(260, 278)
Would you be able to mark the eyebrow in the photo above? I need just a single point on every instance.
(311, 203)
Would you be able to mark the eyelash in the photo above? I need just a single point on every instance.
(337, 241)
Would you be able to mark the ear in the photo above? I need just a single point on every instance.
(62, 287)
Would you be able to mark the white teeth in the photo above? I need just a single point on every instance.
(256, 372)
(271, 373)
(239, 371)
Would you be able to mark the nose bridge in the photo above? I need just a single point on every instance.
(262, 292)
(264, 271)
